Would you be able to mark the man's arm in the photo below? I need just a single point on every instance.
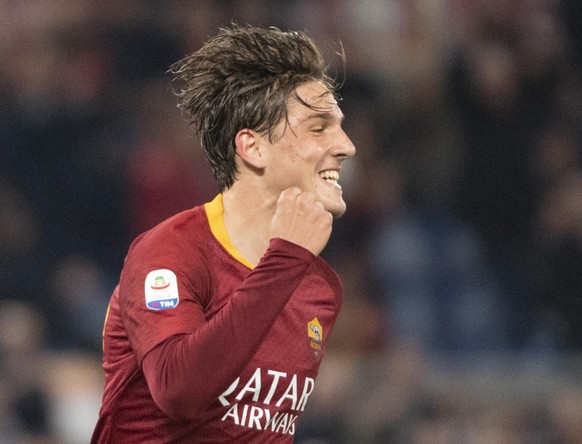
(185, 373)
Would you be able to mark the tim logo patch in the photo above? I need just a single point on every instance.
(161, 290)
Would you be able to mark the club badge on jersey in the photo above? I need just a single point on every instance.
(315, 335)
(161, 290)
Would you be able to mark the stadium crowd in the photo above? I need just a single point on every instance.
(461, 251)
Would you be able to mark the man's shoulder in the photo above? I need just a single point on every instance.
(180, 232)
(178, 245)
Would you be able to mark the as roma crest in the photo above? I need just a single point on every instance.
(315, 335)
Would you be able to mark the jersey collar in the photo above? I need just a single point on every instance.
(214, 211)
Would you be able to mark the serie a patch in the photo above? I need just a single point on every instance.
(161, 290)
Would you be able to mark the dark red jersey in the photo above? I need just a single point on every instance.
(200, 347)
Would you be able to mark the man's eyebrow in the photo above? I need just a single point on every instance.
(322, 115)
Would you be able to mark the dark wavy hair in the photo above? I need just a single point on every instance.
(243, 78)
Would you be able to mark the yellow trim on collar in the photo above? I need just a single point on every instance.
(214, 214)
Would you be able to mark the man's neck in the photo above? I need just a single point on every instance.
(247, 217)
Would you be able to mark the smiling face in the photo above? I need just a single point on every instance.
(309, 148)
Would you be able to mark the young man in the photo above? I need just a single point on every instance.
(222, 314)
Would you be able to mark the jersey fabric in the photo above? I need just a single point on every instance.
(200, 347)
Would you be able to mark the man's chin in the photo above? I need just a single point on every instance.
(337, 210)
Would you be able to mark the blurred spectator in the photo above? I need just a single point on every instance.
(74, 382)
(19, 245)
(80, 291)
(167, 172)
(24, 401)
(58, 155)
(571, 13)
(506, 77)
(557, 264)
(566, 415)
(437, 290)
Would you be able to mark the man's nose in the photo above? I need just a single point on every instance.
(345, 147)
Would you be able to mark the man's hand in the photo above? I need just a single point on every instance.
(301, 219)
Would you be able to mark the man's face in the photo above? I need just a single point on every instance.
(308, 152)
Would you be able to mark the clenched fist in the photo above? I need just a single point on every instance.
(301, 219)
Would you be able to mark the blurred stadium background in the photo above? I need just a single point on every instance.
(461, 251)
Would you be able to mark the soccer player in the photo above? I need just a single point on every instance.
(222, 314)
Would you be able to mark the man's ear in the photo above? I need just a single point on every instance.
(248, 147)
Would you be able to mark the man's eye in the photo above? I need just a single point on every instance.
(318, 129)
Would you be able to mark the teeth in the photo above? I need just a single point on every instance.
(329, 175)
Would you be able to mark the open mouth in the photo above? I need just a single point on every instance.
(330, 176)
